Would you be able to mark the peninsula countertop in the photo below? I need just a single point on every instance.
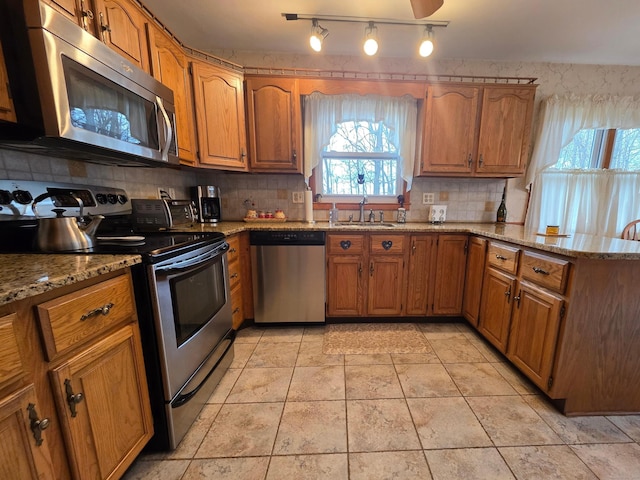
(573, 245)
(25, 275)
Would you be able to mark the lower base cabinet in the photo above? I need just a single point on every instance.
(498, 295)
(74, 402)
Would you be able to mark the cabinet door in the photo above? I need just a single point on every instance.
(7, 111)
(21, 457)
(498, 292)
(170, 66)
(505, 128)
(450, 271)
(122, 26)
(219, 107)
(476, 256)
(449, 129)
(110, 423)
(274, 124)
(385, 285)
(345, 285)
(420, 274)
(534, 333)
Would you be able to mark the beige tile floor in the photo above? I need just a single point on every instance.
(285, 410)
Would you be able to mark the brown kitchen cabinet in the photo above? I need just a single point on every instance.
(498, 293)
(476, 256)
(419, 274)
(274, 124)
(450, 270)
(170, 66)
(122, 26)
(236, 280)
(346, 274)
(43, 343)
(385, 291)
(219, 106)
(534, 332)
(448, 138)
(7, 111)
(480, 130)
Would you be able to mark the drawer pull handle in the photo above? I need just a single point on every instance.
(72, 398)
(103, 310)
(500, 257)
(236, 310)
(371, 269)
(345, 244)
(37, 425)
(387, 244)
(232, 250)
(540, 271)
(234, 275)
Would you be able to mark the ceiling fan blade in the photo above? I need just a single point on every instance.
(425, 8)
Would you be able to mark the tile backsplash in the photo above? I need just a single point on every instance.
(467, 199)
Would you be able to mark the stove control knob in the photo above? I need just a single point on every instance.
(5, 197)
(23, 197)
(101, 198)
(112, 198)
(122, 199)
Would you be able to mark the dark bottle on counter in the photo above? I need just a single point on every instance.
(501, 216)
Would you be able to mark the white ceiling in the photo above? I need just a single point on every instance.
(559, 31)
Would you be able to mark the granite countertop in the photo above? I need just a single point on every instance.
(574, 245)
(26, 275)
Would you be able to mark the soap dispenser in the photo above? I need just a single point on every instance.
(402, 212)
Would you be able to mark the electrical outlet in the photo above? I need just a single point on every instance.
(297, 197)
(428, 198)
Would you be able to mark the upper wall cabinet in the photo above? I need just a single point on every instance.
(121, 25)
(7, 111)
(274, 124)
(476, 130)
(170, 66)
(219, 105)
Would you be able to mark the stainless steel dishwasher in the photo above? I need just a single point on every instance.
(288, 276)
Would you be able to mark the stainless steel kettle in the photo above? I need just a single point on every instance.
(60, 234)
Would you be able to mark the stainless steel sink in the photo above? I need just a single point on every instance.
(366, 224)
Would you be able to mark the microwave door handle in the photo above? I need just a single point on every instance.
(168, 131)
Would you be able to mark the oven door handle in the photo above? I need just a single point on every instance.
(198, 260)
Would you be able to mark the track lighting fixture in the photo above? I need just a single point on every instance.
(426, 44)
(318, 34)
(371, 39)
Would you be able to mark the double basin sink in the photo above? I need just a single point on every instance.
(364, 224)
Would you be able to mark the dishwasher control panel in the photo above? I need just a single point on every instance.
(286, 237)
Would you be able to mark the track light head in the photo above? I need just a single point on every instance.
(318, 34)
(426, 44)
(371, 39)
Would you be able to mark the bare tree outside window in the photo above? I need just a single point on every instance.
(587, 150)
(360, 148)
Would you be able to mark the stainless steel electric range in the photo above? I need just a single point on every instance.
(181, 289)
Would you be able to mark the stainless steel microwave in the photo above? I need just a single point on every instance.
(75, 97)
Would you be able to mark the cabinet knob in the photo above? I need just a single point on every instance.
(481, 160)
(360, 269)
(72, 398)
(234, 275)
(232, 250)
(236, 310)
(36, 424)
(295, 155)
(469, 160)
(508, 294)
(371, 268)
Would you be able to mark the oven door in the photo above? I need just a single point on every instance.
(192, 311)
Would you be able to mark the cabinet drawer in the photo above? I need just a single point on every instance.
(387, 244)
(78, 316)
(345, 244)
(503, 257)
(11, 366)
(234, 248)
(237, 314)
(234, 274)
(546, 271)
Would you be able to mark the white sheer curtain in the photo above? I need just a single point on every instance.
(323, 112)
(583, 201)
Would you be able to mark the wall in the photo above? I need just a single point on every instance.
(467, 199)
